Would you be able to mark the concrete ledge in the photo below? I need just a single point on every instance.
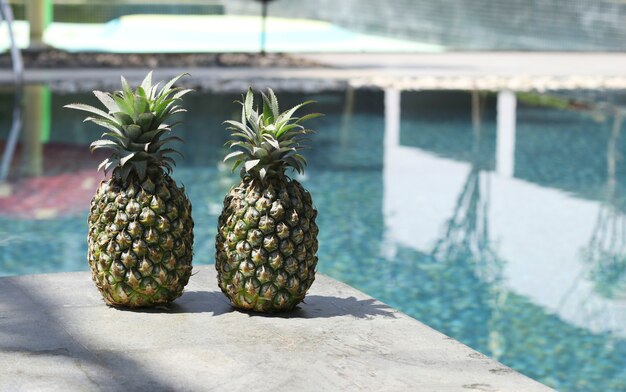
(57, 334)
(494, 71)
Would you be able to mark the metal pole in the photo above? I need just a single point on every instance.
(39, 14)
(263, 25)
(18, 70)
(31, 164)
(16, 56)
(14, 134)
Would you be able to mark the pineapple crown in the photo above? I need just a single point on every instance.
(267, 143)
(137, 134)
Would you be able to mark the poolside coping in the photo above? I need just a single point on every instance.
(493, 71)
(56, 333)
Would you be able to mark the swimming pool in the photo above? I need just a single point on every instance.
(510, 239)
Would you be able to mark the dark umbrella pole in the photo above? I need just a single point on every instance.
(264, 4)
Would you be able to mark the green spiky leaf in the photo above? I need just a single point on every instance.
(107, 101)
(168, 86)
(248, 102)
(135, 124)
(90, 109)
(273, 103)
(107, 144)
(146, 84)
(233, 154)
(251, 164)
(267, 142)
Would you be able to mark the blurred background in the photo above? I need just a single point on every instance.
(469, 170)
(323, 25)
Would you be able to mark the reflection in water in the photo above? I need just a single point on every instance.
(467, 231)
(33, 132)
(36, 129)
(505, 147)
(465, 211)
(6, 15)
(476, 289)
(466, 236)
(13, 136)
(606, 252)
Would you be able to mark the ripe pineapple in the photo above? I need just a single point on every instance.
(140, 226)
(267, 237)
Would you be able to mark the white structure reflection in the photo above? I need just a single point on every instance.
(505, 140)
(539, 232)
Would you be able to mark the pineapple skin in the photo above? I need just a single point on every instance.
(140, 241)
(266, 244)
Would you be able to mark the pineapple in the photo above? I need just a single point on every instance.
(140, 227)
(267, 237)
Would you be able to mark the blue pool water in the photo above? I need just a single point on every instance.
(512, 241)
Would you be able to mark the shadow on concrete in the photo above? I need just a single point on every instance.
(313, 306)
(191, 302)
(30, 328)
(321, 306)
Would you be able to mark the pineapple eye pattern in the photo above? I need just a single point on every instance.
(140, 241)
(266, 244)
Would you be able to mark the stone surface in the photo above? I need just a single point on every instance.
(523, 71)
(55, 58)
(56, 334)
